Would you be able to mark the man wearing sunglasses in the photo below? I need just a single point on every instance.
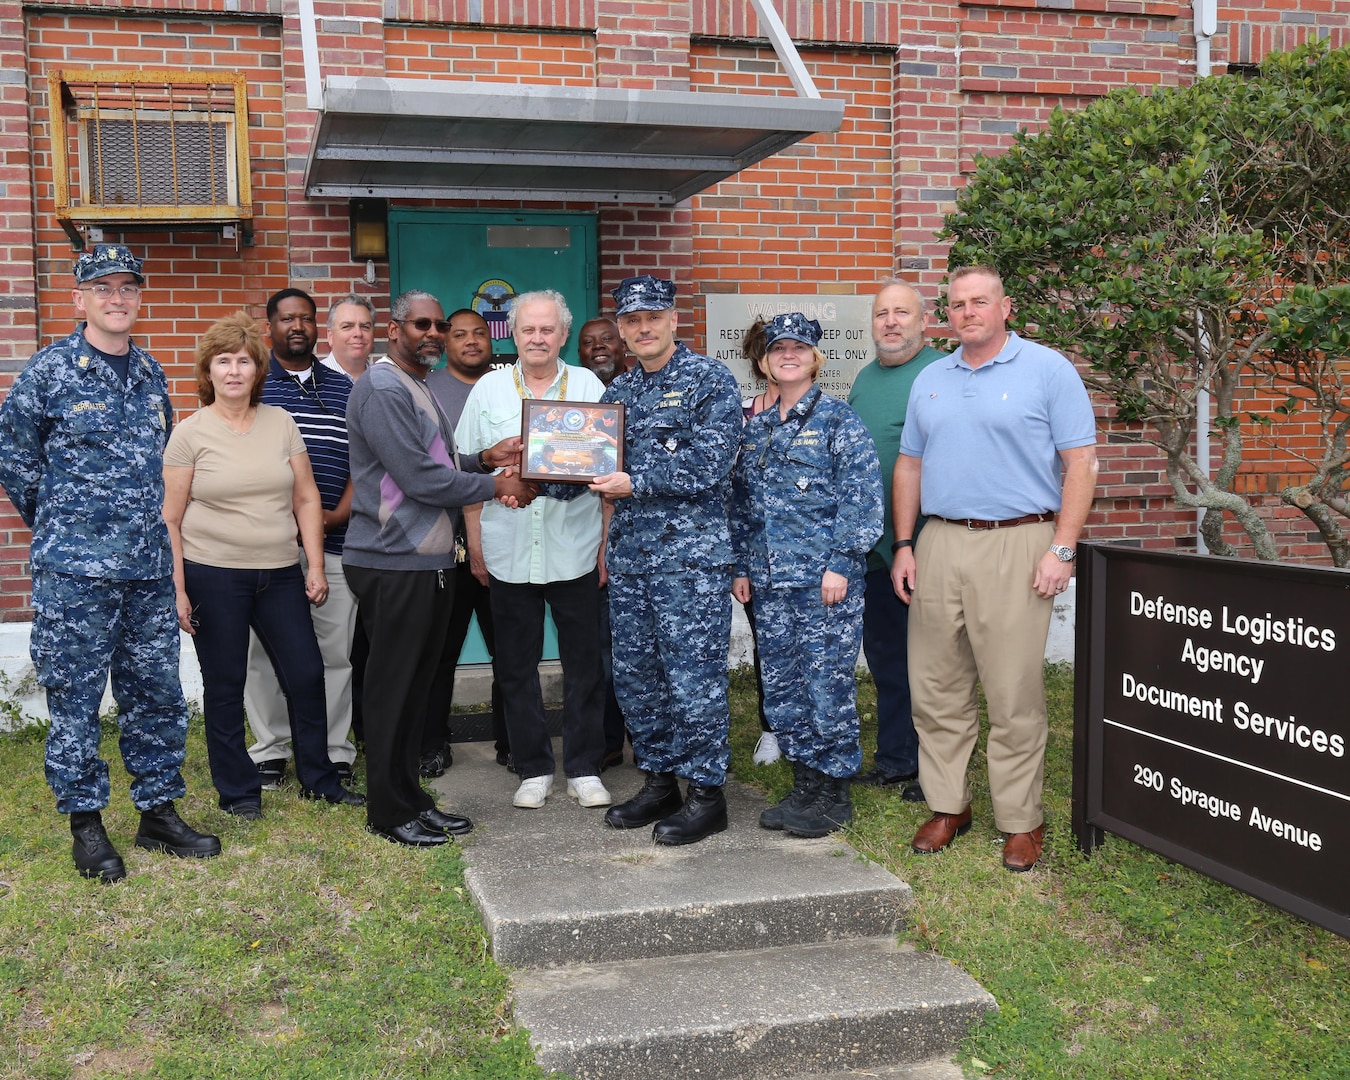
(316, 397)
(82, 437)
(409, 483)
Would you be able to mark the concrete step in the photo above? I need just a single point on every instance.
(846, 1005)
(938, 1068)
(557, 886)
(602, 906)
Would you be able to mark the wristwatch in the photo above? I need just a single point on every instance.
(901, 544)
(1063, 552)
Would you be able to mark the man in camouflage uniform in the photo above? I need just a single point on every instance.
(669, 565)
(82, 437)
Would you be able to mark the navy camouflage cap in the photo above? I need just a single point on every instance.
(792, 325)
(645, 293)
(107, 259)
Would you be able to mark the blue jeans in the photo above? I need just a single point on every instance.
(226, 603)
(885, 644)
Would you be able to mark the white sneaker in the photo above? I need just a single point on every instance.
(766, 750)
(588, 791)
(532, 792)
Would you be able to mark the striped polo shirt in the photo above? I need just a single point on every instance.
(319, 408)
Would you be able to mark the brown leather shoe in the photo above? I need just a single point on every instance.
(939, 831)
(1023, 849)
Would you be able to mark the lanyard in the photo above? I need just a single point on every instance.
(525, 395)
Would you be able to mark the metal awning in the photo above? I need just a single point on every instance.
(406, 138)
(457, 139)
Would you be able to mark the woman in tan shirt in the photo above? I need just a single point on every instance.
(237, 483)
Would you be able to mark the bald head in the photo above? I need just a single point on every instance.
(899, 322)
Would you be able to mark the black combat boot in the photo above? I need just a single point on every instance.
(163, 830)
(95, 857)
(828, 812)
(659, 796)
(704, 812)
(806, 781)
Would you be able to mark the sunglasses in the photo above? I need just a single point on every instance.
(424, 324)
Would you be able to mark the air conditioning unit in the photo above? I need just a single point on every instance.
(156, 158)
(150, 149)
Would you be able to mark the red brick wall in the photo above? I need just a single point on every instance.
(818, 215)
(489, 55)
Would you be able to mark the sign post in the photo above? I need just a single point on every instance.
(1211, 720)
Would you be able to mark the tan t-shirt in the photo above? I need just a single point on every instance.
(240, 512)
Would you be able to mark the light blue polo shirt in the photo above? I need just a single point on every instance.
(989, 437)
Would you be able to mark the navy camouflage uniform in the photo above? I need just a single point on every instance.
(806, 498)
(81, 458)
(669, 563)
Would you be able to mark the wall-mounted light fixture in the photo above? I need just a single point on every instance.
(370, 228)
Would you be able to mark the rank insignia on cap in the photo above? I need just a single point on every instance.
(107, 259)
(793, 325)
(645, 293)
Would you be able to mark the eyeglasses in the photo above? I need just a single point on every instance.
(129, 291)
(424, 324)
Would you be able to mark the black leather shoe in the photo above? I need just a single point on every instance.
(704, 812)
(342, 797)
(344, 771)
(245, 811)
(879, 777)
(451, 824)
(163, 830)
(913, 793)
(659, 797)
(95, 857)
(504, 760)
(435, 763)
(411, 834)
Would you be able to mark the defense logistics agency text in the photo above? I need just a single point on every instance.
(1262, 629)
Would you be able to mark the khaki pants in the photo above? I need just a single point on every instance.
(974, 616)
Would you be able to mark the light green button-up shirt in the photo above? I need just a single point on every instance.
(549, 540)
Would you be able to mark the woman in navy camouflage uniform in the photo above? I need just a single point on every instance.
(806, 509)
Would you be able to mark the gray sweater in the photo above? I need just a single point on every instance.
(408, 482)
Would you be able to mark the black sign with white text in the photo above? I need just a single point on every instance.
(1211, 720)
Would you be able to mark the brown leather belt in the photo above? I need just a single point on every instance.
(976, 523)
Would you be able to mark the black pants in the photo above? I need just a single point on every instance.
(228, 601)
(471, 598)
(405, 614)
(518, 615)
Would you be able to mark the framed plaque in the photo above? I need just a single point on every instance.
(570, 442)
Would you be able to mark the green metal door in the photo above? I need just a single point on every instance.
(483, 260)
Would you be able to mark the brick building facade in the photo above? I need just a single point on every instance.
(926, 86)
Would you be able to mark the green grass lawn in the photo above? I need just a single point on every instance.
(311, 950)
(315, 950)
